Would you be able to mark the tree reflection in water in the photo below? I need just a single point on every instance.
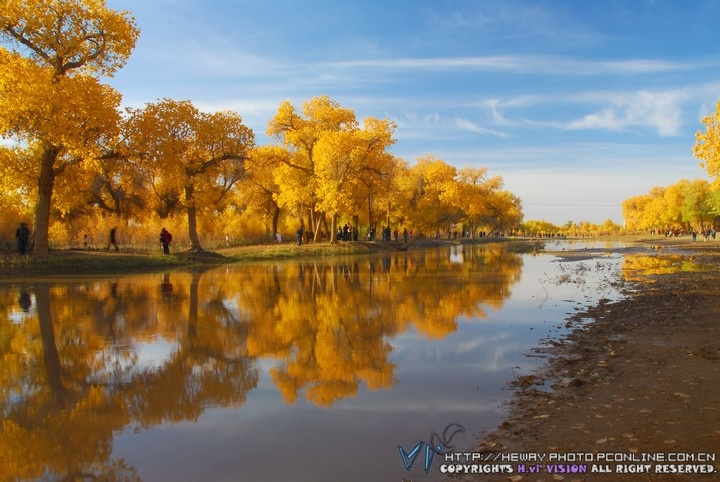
(99, 355)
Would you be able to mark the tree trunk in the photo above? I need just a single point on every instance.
(192, 218)
(311, 222)
(44, 198)
(53, 367)
(333, 228)
(276, 216)
(193, 309)
(324, 222)
(317, 229)
(370, 223)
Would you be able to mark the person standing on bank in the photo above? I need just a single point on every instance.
(23, 237)
(112, 240)
(300, 235)
(165, 239)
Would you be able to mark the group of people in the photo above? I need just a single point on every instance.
(388, 235)
(707, 234)
(347, 233)
(22, 237)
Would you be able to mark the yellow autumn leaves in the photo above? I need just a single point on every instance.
(77, 158)
(685, 205)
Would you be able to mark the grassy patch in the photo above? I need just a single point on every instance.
(522, 246)
(285, 251)
(59, 263)
(102, 262)
(70, 262)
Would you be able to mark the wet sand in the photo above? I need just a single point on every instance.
(638, 376)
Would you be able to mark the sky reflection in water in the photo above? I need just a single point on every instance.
(301, 370)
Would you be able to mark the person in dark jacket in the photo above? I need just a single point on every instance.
(165, 239)
(113, 241)
(22, 234)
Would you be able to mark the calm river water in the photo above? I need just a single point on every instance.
(310, 370)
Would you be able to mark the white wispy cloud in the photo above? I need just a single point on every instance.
(541, 64)
(661, 110)
(667, 111)
(470, 126)
(438, 125)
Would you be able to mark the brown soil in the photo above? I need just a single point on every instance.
(643, 376)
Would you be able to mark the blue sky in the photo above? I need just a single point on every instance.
(578, 105)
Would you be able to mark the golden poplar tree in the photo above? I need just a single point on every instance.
(50, 96)
(259, 191)
(198, 156)
(300, 132)
(331, 156)
(707, 149)
(707, 144)
(477, 196)
(428, 188)
(685, 204)
(351, 166)
(633, 209)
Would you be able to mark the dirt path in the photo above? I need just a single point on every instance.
(642, 378)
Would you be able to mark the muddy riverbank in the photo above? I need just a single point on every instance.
(637, 376)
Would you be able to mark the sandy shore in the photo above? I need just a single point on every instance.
(642, 377)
